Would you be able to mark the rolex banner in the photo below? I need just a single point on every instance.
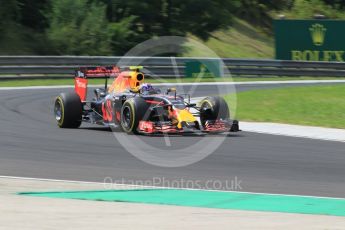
(310, 40)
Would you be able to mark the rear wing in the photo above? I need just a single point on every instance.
(99, 72)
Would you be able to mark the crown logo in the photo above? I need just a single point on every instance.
(318, 33)
(203, 68)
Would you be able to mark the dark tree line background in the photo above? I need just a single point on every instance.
(111, 27)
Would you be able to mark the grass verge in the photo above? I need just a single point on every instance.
(242, 40)
(49, 82)
(310, 105)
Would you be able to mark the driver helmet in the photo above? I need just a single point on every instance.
(147, 89)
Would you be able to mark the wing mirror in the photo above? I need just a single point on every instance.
(169, 90)
(192, 105)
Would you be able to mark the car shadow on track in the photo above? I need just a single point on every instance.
(118, 130)
(103, 129)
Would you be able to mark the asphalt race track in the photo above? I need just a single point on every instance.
(33, 146)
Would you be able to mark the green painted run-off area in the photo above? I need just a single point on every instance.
(210, 199)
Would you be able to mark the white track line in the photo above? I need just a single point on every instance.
(37, 87)
(301, 131)
(158, 187)
(297, 82)
(253, 82)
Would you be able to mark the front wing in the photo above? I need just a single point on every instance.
(211, 126)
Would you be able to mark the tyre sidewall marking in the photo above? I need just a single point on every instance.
(59, 99)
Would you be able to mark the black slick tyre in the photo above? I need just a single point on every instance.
(68, 110)
(132, 112)
(213, 108)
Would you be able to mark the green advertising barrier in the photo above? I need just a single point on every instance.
(310, 40)
(204, 68)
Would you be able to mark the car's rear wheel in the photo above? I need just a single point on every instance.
(213, 108)
(68, 110)
(133, 111)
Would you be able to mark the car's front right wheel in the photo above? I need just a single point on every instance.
(213, 108)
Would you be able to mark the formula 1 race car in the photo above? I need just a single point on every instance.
(137, 107)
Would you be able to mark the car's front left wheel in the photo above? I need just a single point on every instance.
(133, 111)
